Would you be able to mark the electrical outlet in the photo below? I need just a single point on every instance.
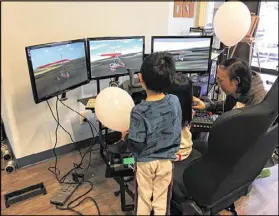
(85, 114)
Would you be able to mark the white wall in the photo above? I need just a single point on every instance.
(30, 127)
(179, 26)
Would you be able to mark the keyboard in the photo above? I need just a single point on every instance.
(202, 120)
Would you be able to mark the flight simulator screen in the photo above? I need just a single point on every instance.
(57, 67)
(202, 81)
(109, 57)
(191, 54)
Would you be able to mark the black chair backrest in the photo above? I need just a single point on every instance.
(240, 143)
(236, 131)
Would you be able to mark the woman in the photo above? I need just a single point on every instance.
(242, 86)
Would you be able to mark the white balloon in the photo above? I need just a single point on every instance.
(113, 108)
(232, 22)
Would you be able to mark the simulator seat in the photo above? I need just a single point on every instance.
(240, 142)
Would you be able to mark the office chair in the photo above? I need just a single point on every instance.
(240, 142)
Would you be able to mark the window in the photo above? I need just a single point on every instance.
(209, 14)
(212, 7)
(267, 37)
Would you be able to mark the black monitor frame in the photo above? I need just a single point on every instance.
(196, 30)
(185, 37)
(214, 73)
(113, 38)
(32, 75)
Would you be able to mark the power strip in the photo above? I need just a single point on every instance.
(61, 197)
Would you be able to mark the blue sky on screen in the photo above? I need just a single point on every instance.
(123, 46)
(48, 55)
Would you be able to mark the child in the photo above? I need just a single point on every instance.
(182, 88)
(154, 136)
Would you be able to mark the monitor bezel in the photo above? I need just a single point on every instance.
(112, 38)
(32, 75)
(186, 37)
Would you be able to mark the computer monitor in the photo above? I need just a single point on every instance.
(192, 54)
(55, 68)
(110, 57)
(202, 81)
(196, 31)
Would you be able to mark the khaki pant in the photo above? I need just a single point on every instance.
(153, 187)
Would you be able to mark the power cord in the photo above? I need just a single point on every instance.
(71, 208)
(80, 115)
(56, 171)
(87, 121)
(59, 122)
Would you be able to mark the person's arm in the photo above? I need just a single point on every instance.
(212, 106)
(135, 138)
(215, 106)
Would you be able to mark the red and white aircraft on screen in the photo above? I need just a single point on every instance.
(60, 62)
(63, 73)
(117, 63)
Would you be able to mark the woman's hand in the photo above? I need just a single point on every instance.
(198, 104)
(193, 113)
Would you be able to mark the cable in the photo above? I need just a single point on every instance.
(71, 208)
(80, 115)
(89, 123)
(76, 166)
(60, 124)
(56, 171)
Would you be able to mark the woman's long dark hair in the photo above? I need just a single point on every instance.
(183, 89)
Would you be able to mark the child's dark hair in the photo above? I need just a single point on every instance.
(240, 71)
(182, 88)
(157, 71)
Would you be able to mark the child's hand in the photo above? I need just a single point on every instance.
(123, 134)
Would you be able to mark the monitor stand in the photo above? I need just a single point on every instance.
(114, 82)
(63, 97)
